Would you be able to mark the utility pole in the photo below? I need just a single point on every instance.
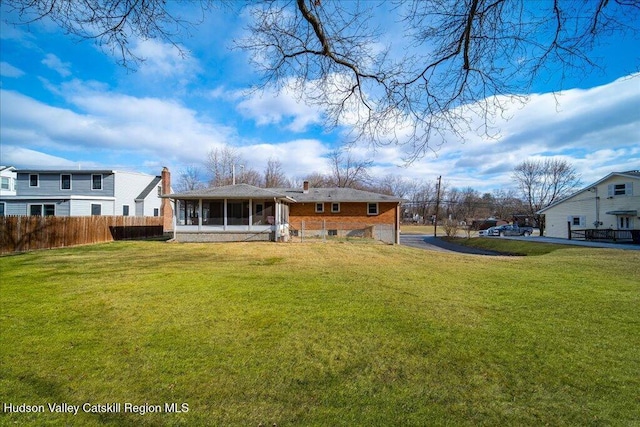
(435, 217)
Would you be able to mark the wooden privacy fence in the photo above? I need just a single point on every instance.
(25, 233)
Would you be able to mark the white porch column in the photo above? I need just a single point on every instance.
(250, 213)
(224, 223)
(199, 214)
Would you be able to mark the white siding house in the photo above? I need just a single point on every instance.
(80, 193)
(612, 203)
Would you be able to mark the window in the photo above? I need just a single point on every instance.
(5, 183)
(96, 209)
(156, 212)
(125, 210)
(335, 207)
(39, 210)
(96, 182)
(319, 207)
(33, 180)
(65, 182)
(577, 221)
(2, 209)
(332, 232)
(372, 209)
(623, 189)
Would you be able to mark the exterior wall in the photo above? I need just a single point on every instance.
(591, 209)
(83, 207)
(49, 184)
(9, 176)
(249, 236)
(128, 186)
(382, 226)
(21, 207)
(350, 212)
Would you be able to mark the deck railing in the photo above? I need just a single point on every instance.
(597, 234)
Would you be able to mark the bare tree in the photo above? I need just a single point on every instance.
(347, 171)
(189, 179)
(274, 175)
(224, 164)
(393, 185)
(316, 179)
(452, 62)
(542, 182)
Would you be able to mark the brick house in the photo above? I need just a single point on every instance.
(246, 213)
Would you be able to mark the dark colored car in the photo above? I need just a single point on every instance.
(510, 230)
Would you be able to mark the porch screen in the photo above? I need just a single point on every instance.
(213, 212)
(238, 212)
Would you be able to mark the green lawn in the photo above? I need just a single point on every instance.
(314, 334)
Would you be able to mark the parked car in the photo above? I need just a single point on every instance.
(487, 232)
(510, 230)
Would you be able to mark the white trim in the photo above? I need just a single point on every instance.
(377, 209)
(91, 205)
(101, 182)
(42, 205)
(316, 207)
(70, 182)
(335, 210)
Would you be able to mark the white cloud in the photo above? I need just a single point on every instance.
(56, 64)
(109, 122)
(285, 108)
(8, 70)
(165, 60)
(27, 158)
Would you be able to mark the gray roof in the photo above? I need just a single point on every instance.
(336, 195)
(246, 191)
(149, 188)
(238, 191)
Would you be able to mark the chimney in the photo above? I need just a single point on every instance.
(166, 211)
(305, 187)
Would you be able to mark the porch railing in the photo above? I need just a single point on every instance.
(621, 236)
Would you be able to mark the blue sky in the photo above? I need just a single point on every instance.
(66, 103)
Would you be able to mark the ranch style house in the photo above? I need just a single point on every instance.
(243, 212)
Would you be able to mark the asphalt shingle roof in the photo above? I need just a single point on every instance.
(246, 191)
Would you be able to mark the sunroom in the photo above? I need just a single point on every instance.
(230, 213)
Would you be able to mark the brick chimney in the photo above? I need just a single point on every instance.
(305, 187)
(166, 211)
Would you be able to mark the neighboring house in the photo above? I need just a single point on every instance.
(243, 212)
(85, 192)
(610, 204)
(7, 185)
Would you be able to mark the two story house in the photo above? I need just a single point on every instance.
(612, 203)
(85, 192)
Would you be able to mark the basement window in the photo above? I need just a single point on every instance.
(332, 232)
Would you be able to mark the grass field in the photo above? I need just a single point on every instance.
(320, 335)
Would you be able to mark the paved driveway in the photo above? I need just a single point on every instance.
(542, 239)
(423, 241)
